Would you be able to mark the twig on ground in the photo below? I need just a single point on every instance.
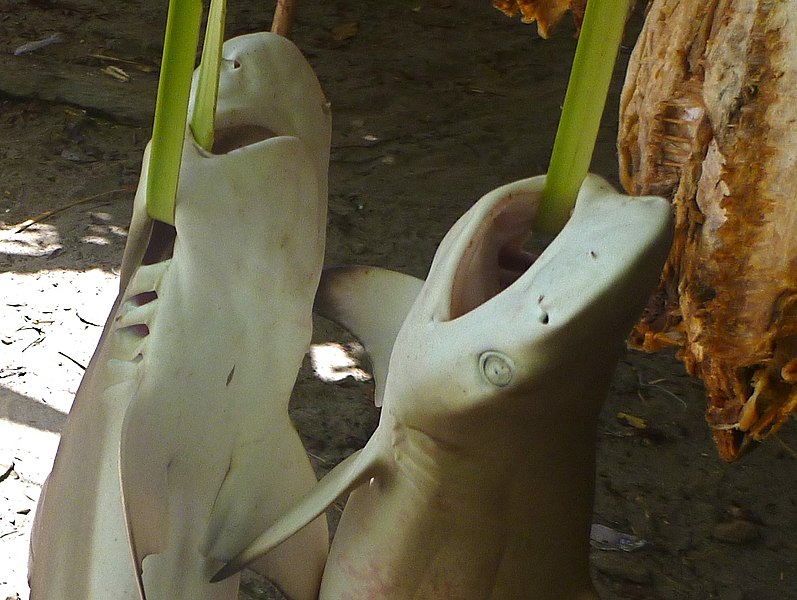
(86, 321)
(46, 215)
(655, 384)
(72, 359)
(143, 67)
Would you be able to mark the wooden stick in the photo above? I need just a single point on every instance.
(283, 17)
(19, 228)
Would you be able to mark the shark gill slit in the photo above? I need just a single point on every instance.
(135, 312)
(139, 330)
(141, 299)
(134, 318)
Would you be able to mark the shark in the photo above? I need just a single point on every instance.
(179, 446)
(478, 480)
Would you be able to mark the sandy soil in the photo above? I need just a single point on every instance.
(435, 102)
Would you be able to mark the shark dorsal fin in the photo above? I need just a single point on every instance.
(371, 303)
(344, 478)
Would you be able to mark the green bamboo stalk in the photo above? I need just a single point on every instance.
(171, 108)
(585, 99)
(207, 92)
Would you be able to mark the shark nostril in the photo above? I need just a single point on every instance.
(539, 312)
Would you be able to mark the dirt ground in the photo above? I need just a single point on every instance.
(435, 102)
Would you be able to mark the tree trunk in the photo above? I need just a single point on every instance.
(709, 119)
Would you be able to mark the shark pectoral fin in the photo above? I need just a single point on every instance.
(144, 491)
(344, 478)
(372, 304)
(255, 493)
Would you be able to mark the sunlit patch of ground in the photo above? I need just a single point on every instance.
(50, 322)
(333, 362)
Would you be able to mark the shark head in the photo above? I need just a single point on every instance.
(493, 325)
(266, 89)
(272, 121)
(491, 374)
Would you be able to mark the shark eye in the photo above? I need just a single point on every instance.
(496, 368)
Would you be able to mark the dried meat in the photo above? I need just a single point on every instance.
(707, 119)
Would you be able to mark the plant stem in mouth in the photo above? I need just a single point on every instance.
(596, 53)
(207, 92)
(171, 107)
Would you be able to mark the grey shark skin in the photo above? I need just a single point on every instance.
(478, 481)
(179, 443)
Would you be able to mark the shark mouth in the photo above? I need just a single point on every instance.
(235, 137)
(494, 257)
(227, 139)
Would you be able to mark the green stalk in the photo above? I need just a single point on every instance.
(171, 108)
(207, 92)
(585, 100)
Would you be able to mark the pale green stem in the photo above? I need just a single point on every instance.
(207, 91)
(171, 108)
(585, 99)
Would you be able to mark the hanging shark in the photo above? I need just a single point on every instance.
(179, 448)
(478, 481)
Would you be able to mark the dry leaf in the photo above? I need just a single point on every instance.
(547, 13)
(632, 421)
(345, 31)
(116, 73)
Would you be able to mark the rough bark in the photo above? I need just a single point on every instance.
(708, 119)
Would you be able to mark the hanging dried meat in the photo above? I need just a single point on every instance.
(708, 118)
(547, 13)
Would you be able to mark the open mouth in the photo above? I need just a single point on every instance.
(227, 139)
(494, 257)
(235, 137)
